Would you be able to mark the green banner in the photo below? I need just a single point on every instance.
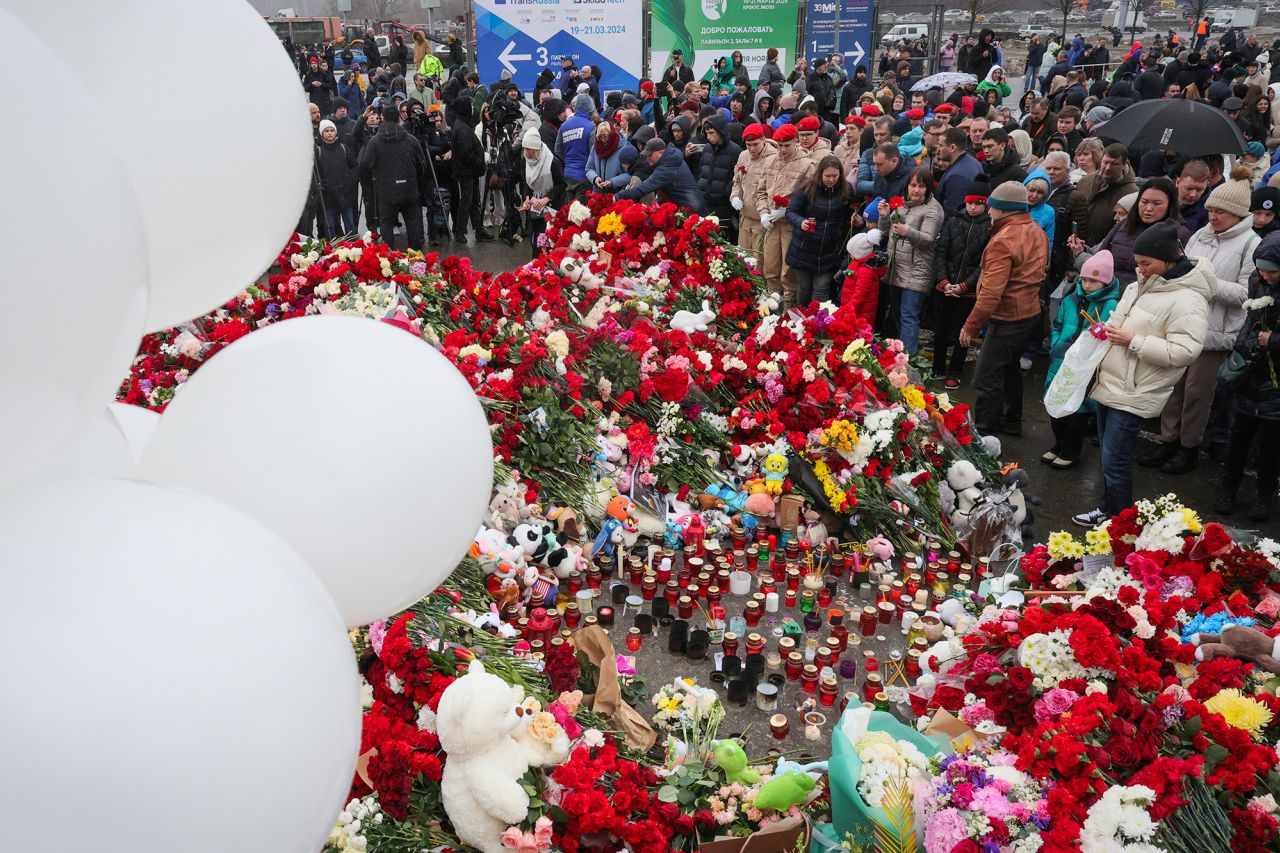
(706, 30)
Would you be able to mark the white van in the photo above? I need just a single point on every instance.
(904, 32)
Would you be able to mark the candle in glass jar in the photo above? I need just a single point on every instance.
(794, 666)
(779, 726)
(685, 607)
(768, 584)
(771, 602)
(809, 679)
(887, 611)
(635, 639)
(813, 723)
(773, 661)
(752, 614)
(868, 621)
(790, 598)
(871, 686)
(828, 689)
(755, 644)
(572, 615)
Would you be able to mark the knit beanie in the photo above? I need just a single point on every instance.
(861, 245)
(1010, 196)
(979, 189)
(1233, 196)
(1255, 149)
(325, 124)
(1099, 115)
(1265, 198)
(1100, 267)
(1126, 202)
(787, 102)
(531, 139)
(1160, 241)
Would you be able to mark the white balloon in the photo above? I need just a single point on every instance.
(175, 677)
(136, 424)
(356, 441)
(98, 451)
(220, 163)
(74, 300)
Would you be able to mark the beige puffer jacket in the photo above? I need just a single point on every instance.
(784, 177)
(748, 174)
(1231, 254)
(847, 150)
(1169, 319)
(912, 254)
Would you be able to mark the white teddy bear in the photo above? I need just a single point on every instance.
(965, 480)
(538, 751)
(476, 719)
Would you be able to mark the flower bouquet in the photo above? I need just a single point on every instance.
(982, 797)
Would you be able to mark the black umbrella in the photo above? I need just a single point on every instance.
(1191, 128)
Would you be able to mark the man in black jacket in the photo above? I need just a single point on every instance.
(1000, 160)
(818, 85)
(399, 169)
(467, 156)
(715, 178)
(372, 59)
(683, 72)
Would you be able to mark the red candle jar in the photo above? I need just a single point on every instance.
(751, 553)
(649, 588)
(837, 564)
(730, 643)
(752, 614)
(887, 611)
(722, 578)
(809, 679)
(793, 579)
(869, 661)
(871, 687)
(635, 572)
(913, 664)
(704, 583)
(755, 644)
(779, 726)
(795, 666)
(768, 584)
(823, 657)
(713, 594)
(572, 615)
(696, 564)
(634, 640)
(839, 637)
(791, 598)
(540, 626)
(868, 621)
(824, 597)
(792, 551)
(786, 645)
(594, 577)
(663, 571)
(685, 607)
(827, 691)
(672, 592)
(849, 698)
(574, 584)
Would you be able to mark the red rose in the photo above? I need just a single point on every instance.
(1020, 677)
(683, 825)
(1124, 752)
(967, 846)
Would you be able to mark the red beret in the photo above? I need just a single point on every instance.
(914, 114)
(854, 119)
(809, 123)
(871, 110)
(753, 131)
(785, 133)
(944, 108)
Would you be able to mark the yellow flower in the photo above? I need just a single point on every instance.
(1243, 712)
(842, 435)
(1191, 521)
(1059, 544)
(1099, 541)
(609, 225)
(914, 397)
(854, 351)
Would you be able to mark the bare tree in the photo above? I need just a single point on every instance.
(1198, 8)
(1066, 7)
(980, 7)
(378, 10)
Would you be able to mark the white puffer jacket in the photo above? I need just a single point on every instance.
(1169, 318)
(1231, 254)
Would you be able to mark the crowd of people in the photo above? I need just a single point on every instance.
(945, 217)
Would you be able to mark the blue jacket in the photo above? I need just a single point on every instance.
(574, 145)
(778, 122)
(954, 184)
(1042, 214)
(608, 168)
(1069, 324)
(865, 181)
(353, 96)
(673, 181)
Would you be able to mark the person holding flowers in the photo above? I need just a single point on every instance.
(819, 216)
(916, 221)
(753, 165)
(1257, 397)
(792, 168)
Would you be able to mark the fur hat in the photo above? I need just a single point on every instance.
(1100, 267)
(1233, 196)
(863, 244)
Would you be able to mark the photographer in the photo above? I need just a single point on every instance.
(396, 163)
(434, 146)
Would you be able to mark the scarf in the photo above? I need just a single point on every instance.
(606, 149)
(538, 174)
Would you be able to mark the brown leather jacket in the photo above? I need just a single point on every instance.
(1013, 265)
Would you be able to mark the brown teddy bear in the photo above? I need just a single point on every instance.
(1240, 641)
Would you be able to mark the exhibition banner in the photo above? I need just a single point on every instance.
(526, 36)
(705, 30)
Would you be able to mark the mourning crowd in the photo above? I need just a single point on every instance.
(945, 217)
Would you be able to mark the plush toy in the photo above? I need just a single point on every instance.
(576, 270)
(476, 718)
(1240, 641)
(744, 461)
(775, 473)
(733, 761)
(504, 509)
(566, 521)
(500, 561)
(783, 792)
(542, 545)
(785, 766)
(1016, 481)
(763, 508)
(812, 531)
(706, 501)
(965, 480)
(536, 750)
(687, 321)
(620, 515)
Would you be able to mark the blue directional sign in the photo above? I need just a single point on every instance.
(853, 37)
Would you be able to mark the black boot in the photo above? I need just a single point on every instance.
(1261, 509)
(1226, 504)
(1159, 454)
(1183, 460)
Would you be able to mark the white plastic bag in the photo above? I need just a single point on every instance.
(1071, 383)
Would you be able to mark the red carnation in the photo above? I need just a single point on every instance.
(896, 202)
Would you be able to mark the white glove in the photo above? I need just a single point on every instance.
(767, 221)
(735, 202)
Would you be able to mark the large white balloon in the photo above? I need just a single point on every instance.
(175, 677)
(75, 278)
(356, 441)
(219, 160)
(136, 424)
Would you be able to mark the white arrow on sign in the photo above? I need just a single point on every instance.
(509, 59)
(857, 53)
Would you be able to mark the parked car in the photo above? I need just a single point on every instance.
(904, 32)
(1026, 31)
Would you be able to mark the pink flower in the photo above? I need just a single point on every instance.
(944, 831)
(985, 664)
(1054, 703)
(570, 699)
(972, 715)
(571, 726)
(377, 634)
(992, 803)
(542, 830)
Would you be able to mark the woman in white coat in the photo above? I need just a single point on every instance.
(1227, 241)
(1156, 331)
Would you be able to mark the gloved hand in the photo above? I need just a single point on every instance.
(766, 219)
(735, 202)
